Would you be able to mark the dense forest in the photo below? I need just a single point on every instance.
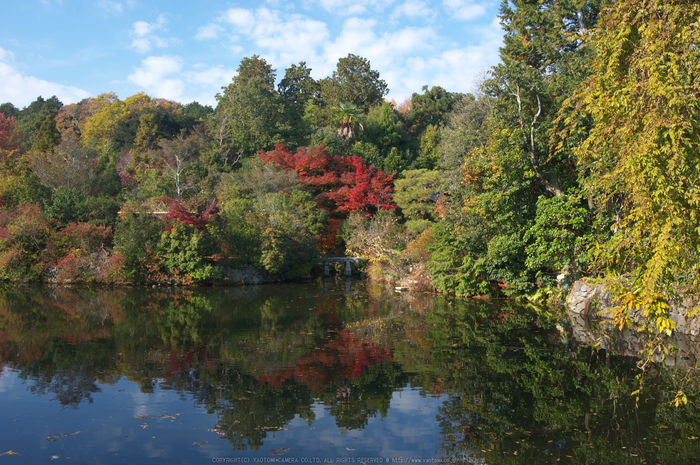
(577, 156)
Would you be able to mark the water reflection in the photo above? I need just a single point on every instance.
(597, 330)
(508, 383)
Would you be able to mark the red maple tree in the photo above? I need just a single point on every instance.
(340, 185)
(178, 212)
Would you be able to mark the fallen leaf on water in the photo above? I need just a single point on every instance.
(56, 436)
(144, 426)
(159, 416)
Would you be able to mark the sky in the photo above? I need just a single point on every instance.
(188, 50)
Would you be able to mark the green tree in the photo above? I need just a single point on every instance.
(416, 193)
(197, 110)
(48, 136)
(640, 159)
(431, 108)
(429, 153)
(67, 206)
(354, 82)
(32, 117)
(465, 129)
(560, 237)
(270, 221)
(543, 62)
(182, 248)
(136, 240)
(8, 109)
(384, 130)
(138, 122)
(256, 68)
(297, 86)
(250, 115)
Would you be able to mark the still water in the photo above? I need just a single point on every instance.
(329, 372)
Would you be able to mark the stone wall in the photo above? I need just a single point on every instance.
(587, 304)
(586, 299)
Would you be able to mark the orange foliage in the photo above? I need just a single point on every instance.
(404, 108)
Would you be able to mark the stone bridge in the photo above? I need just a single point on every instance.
(346, 260)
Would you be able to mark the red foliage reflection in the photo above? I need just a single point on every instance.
(343, 357)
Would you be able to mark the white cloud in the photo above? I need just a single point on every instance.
(21, 90)
(6, 55)
(290, 39)
(142, 28)
(141, 45)
(281, 38)
(217, 77)
(210, 31)
(242, 20)
(413, 9)
(465, 9)
(111, 7)
(385, 51)
(164, 77)
(457, 70)
(406, 57)
(154, 76)
(145, 40)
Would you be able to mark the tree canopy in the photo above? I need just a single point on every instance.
(640, 159)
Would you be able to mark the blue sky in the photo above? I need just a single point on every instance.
(188, 50)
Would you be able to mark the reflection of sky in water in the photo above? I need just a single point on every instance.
(408, 426)
(111, 432)
(8, 379)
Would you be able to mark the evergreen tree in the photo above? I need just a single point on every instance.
(32, 117)
(48, 136)
(354, 81)
(250, 116)
(543, 62)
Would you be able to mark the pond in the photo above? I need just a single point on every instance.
(324, 372)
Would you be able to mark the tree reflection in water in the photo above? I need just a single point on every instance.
(514, 386)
